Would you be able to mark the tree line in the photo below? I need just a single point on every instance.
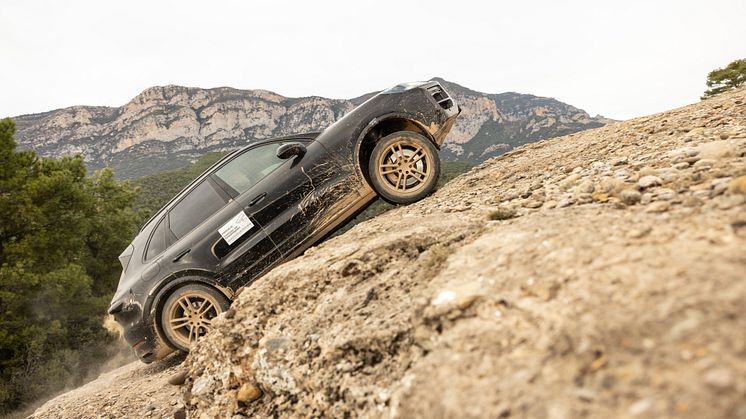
(60, 234)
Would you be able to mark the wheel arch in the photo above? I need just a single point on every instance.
(381, 127)
(175, 281)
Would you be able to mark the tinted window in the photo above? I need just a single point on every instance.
(158, 241)
(194, 208)
(250, 167)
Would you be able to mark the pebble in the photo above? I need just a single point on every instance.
(565, 203)
(569, 181)
(657, 207)
(649, 181)
(599, 167)
(584, 198)
(248, 393)
(585, 394)
(690, 152)
(704, 163)
(610, 185)
(702, 194)
(536, 186)
(586, 187)
(600, 197)
(681, 165)
(620, 161)
(630, 196)
(719, 188)
(665, 194)
(720, 378)
(178, 379)
(697, 131)
(668, 175)
(533, 203)
(640, 407)
(639, 233)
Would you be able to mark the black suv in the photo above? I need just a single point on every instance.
(268, 202)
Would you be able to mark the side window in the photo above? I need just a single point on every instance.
(158, 241)
(194, 208)
(250, 167)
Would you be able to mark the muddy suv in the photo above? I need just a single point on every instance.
(268, 202)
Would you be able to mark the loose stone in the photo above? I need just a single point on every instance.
(630, 196)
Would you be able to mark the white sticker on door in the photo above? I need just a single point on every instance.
(235, 228)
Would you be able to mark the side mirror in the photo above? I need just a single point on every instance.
(289, 150)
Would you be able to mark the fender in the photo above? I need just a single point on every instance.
(379, 120)
(173, 281)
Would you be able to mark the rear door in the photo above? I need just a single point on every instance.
(196, 225)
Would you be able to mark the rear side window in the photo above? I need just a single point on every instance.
(203, 201)
(158, 241)
(247, 169)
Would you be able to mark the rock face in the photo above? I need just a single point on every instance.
(603, 293)
(165, 127)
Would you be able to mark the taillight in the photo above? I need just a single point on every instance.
(440, 96)
(125, 257)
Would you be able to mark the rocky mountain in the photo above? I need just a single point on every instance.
(165, 127)
(596, 275)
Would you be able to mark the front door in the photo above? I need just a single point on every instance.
(289, 198)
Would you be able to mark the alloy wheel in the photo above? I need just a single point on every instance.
(190, 317)
(404, 166)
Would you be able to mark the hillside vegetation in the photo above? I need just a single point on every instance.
(594, 275)
(60, 234)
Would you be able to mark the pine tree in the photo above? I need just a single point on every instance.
(721, 80)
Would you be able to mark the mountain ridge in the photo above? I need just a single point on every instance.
(168, 126)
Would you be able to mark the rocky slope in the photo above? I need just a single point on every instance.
(595, 275)
(165, 127)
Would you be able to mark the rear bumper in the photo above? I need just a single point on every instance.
(144, 345)
(139, 333)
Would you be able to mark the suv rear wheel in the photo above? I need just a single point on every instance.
(404, 167)
(188, 313)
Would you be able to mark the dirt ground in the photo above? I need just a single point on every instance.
(599, 274)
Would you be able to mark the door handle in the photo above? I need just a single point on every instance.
(182, 254)
(257, 199)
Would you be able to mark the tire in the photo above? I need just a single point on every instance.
(181, 328)
(404, 167)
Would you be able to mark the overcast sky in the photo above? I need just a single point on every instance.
(621, 59)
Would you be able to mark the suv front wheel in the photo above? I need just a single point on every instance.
(188, 312)
(404, 167)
